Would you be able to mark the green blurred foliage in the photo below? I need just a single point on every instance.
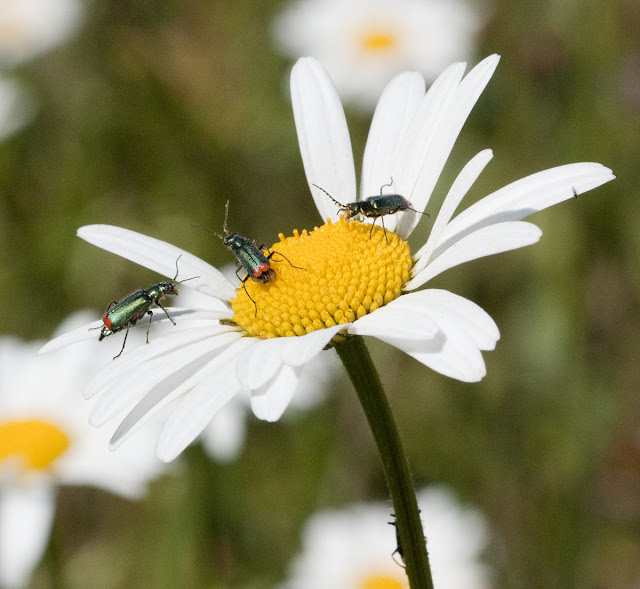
(158, 112)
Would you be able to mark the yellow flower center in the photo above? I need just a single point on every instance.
(37, 443)
(377, 41)
(382, 582)
(342, 275)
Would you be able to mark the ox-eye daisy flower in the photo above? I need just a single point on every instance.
(364, 43)
(31, 27)
(352, 548)
(45, 442)
(352, 281)
(340, 280)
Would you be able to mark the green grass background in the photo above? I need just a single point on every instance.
(159, 111)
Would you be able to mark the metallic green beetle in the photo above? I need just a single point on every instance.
(125, 313)
(249, 255)
(374, 207)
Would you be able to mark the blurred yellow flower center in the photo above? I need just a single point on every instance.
(342, 275)
(378, 40)
(382, 582)
(36, 443)
(13, 33)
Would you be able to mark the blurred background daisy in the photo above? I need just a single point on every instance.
(152, 114)
(355, 547)
(364, 43)
(46, 442)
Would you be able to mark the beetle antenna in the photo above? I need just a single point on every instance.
(390, 184)
(176, 276)
(207, 230)
(226, 216)
(331, 197)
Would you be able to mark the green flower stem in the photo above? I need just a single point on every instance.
(366, 381)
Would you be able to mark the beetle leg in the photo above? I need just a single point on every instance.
(384, 229)
(285, 257)
(244, 284)
(150, 313)
(110, 305)
(123, 343)
(165, 311)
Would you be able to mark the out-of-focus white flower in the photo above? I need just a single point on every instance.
(352, 548)
(45, 441)
(16, 107)
(31, 27)
(364, 43)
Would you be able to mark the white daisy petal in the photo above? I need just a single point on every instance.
(451, 123)
(457, 192)
(451, 353)
(418, 139)
(525, 197)
(396, 108)
(270, 401)
(199, 407)
(79, 334)
(224, 437)
(161, 257)
(26, 517)
(132, 387)
(201, 369)
(323, 136)
(481, 327)
(297, 351)
(257, 364)
(131, 360)
(484, 242)
(464, 330)
(390, 323)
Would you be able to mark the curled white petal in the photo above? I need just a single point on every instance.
(258, 363)
(463, 330)
(159, 256)
(390, 323)
(484, 242)
(297, 351)
(481, 327)
(270, 401)
(323, 136)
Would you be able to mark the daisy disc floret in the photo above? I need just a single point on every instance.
(341, 278)
(347, 274)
